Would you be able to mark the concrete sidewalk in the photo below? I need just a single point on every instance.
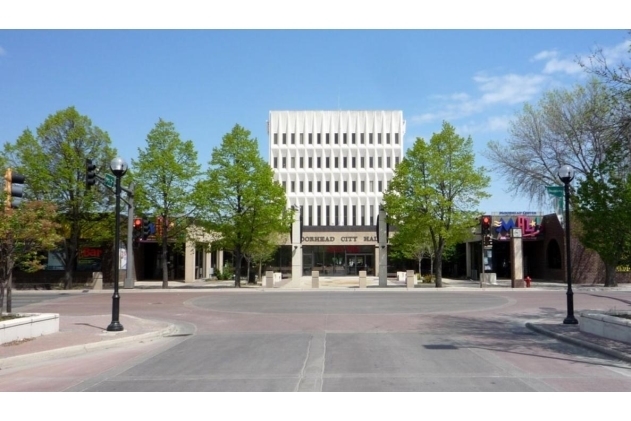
(78, 334)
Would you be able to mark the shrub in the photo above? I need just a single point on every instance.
(428, 279)
(226, 274)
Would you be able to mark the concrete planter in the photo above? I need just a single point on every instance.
(28, 326)
(607, 325)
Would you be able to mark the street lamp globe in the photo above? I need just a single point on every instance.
(566, 173)
(118, 166)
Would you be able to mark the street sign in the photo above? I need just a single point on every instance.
(555, 191)
(109, 180)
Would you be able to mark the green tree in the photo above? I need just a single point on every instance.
(436, 188)
(601, 206)
(165, 175)
(25, 232)
(242, 201)
(53, 161)
(601, 202)
(262, 250)
(415, 245)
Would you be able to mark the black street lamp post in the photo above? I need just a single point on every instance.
(566, 174)
(118, 167)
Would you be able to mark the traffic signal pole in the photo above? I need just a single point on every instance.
(485, 231)
(90, 180)
(130, 277)
(14, 188)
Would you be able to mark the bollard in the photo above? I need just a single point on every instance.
(410, 279)
(315, 279)
(97, 280)
(362, 279)
(269, 279)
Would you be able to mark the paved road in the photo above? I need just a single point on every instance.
(20, 300)
(336, 341)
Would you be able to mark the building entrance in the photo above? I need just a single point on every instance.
(359, 262)
(338, 260)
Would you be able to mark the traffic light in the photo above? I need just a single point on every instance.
(90, 174)
(137, 228)
(145, 228)
(488, 241)
(485, 224)
(14, 188)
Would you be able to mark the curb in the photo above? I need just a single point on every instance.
(607, 351)
(18, 360)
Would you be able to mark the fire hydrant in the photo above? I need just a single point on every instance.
(527, 281)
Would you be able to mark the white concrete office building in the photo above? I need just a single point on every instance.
(335, 166)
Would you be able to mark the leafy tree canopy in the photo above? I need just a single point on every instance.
(241, 200)
(435, 192)
(166, 172)
(53, 161)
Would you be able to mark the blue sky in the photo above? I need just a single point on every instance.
(206, 81)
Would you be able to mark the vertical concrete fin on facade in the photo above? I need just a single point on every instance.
(335, 166)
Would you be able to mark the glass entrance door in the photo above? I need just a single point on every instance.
(358, 262)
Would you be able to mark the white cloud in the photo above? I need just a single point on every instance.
(491, 124)
(509, 89)
(618, 53)
(499, 123)
(457, 96)
(494, 90)
(426, 118)
(569, 67)
(503, 91)
(544, 55)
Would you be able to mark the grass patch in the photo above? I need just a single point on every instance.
(6, 317)
(17, 342)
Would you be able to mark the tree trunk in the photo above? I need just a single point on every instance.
(247, 274)
(438, 266)
(2, 283)
(260, 271)
(438, 271)
(9, 286)
(237, 268)
(71, 250)
(68, 260)
(165, 263)
(610, 275)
